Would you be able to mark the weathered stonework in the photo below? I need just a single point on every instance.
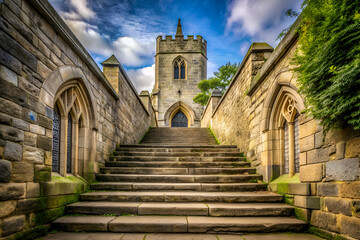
(170, 94)
(251, 114)
(40, 61)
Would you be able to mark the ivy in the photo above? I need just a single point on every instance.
(328, 61)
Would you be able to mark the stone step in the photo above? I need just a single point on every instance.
(179, 236)
(140, 149)
(182, 196)
(178, 178)
(176, 146)
(175, 224)
(177, 159)
(180, 209)
(176, 171)
(173, 164)
(182, 142)
(206, 187)
(179, 154)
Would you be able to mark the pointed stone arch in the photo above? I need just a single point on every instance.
(179, 68)
(188, 111)
(281, 106)
(68, 89)
(62, 78)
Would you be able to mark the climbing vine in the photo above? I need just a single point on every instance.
(328, 61)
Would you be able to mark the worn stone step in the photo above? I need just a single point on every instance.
(141, 149)
(180, 209)
(176, 224)
(181, 196)
(206, 187)
(175, 146)
(198, 224)
(82, 223)
(178, 178)
(177, 171)
(179, 236)
(179, 154)
(172, 164)
(176, 159)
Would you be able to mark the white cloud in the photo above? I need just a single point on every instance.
(131, 52)
(143, 78)
(262, 20)
(90, 37)
(81, 6)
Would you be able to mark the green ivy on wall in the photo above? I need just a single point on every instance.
(328, 61)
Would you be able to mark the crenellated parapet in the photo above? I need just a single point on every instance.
(181, 44)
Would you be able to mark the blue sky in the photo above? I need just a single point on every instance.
(128, 28)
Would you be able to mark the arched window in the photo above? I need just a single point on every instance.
(179, 68)
(295, 146)
(68, 131)
(56, 140)
(69, 144)
(291, 153)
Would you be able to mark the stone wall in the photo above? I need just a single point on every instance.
(40, 61)
(170, 93)
(251, 114)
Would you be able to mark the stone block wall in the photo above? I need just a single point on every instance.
(325, 191)
(40, 59)
(170, 93)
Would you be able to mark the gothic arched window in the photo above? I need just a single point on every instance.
(291, 137)
(68, 129)
(179, 68)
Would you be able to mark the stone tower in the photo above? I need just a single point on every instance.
(180, 64)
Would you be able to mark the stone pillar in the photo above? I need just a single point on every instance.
(214, 100)
(111, 69)
(76, 147)
(145, 98)
(291, 149)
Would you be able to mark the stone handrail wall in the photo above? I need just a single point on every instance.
(40, 59)
(326, 191)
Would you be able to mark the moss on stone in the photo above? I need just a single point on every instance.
(142, 138)
(49, 215)
(289, 199)
(32, 233)
(286, 179)
(63, 185)
(300, 214)
(217, 140)
(282, 188)
(43, 174)
(280, 184)
(326, 234)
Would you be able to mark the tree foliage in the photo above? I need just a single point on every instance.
(328, 61)
(220, 81)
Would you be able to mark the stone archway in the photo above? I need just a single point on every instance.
(175, 108)
(67, 91)
(279, 117)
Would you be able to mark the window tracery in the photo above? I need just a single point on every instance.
(179, 68)
(67, 131)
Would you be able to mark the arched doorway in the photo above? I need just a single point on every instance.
(179, 120)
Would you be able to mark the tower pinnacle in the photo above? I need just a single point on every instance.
(179, 29)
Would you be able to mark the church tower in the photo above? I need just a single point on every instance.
(180, 64)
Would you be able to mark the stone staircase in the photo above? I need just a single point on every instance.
(179, 181)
